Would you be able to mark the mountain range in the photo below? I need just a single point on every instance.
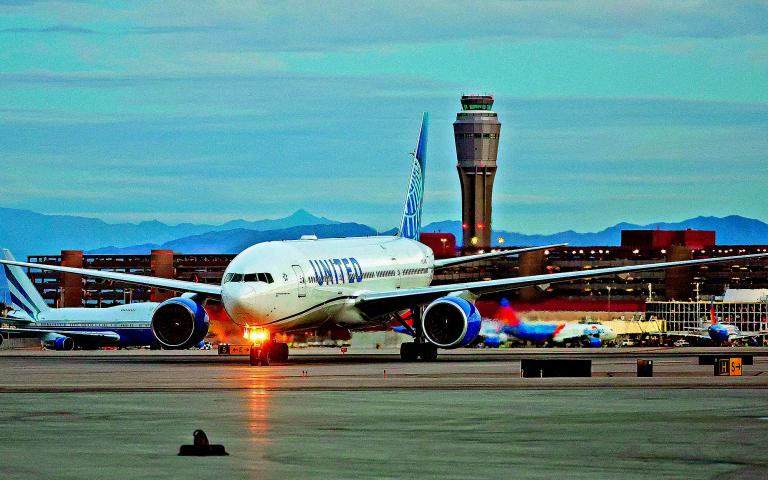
(30, 233)
(730, 230)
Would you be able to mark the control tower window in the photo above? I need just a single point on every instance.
(475, 106)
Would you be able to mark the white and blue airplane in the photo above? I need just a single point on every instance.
(355, 283)
(508, 324)
(135, 324)
(717, 332)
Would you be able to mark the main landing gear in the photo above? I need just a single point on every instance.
(419, 348)
(411, 351)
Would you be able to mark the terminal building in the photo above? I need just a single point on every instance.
(623, 293)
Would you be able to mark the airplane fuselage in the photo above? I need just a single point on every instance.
(289, 285)
(131, 322)
(560, 332)
(721, 332)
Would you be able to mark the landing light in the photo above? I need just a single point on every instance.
(255, 335)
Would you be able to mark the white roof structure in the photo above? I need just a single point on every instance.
(746, 295)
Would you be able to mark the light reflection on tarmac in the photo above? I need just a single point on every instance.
(115, 415)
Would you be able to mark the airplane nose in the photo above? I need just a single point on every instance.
(238, 300)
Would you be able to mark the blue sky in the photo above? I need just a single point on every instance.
(633, 111)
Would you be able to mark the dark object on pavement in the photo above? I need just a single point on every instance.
(201, 447)
(645, 368)
(530, 368)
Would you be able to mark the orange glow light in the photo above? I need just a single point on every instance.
(256, 335)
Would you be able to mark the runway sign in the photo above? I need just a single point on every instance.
(713, 359)
(728, 367)
(227, 349)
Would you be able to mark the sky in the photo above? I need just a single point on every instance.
(204, 112)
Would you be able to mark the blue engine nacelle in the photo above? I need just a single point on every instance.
(451, 322)
(58, 342)
(179, 323)
(595, 342)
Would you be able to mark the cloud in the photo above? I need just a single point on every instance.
(52, 29)
(295, 25)
(168, 29)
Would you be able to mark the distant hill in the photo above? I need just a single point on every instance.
(237, 240)
(731, 230)
(30, 233)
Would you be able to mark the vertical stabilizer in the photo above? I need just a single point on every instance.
(410, 227)
(25, 299)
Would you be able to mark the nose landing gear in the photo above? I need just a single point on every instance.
(264, 348)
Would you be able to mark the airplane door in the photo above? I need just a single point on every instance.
(301, 280)
(397, 272)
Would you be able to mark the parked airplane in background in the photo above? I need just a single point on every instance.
(561, 334)
(135, 324)
(354, 283)
(716, 332)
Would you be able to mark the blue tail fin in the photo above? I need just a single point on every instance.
(410, 227)
(25, 299)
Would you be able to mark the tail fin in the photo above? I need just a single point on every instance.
(25, 298)
(712, 315)
(410, 227)
(506, 314)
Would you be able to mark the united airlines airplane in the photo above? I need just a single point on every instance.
(135, 324)
(351, 282)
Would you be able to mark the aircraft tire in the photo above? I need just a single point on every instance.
(255, 356)
(427, 352)
(409, 352)
(266, 352)
(279, 352)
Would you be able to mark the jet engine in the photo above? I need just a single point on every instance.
(59, 342)
(595, 342)
(451, 322)
(179, 323)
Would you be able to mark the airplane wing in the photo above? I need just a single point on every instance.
(166, 283)
(378, 303)
(449, 262)
(702, 336)
(749, 335)
(68, 333)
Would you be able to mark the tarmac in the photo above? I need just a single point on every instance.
(365, 414)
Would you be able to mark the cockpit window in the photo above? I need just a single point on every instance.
(237, 277)
(259, 277)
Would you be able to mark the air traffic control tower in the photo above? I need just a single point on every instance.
(476, 130)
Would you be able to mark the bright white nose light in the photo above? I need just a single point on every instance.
(255, 335)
